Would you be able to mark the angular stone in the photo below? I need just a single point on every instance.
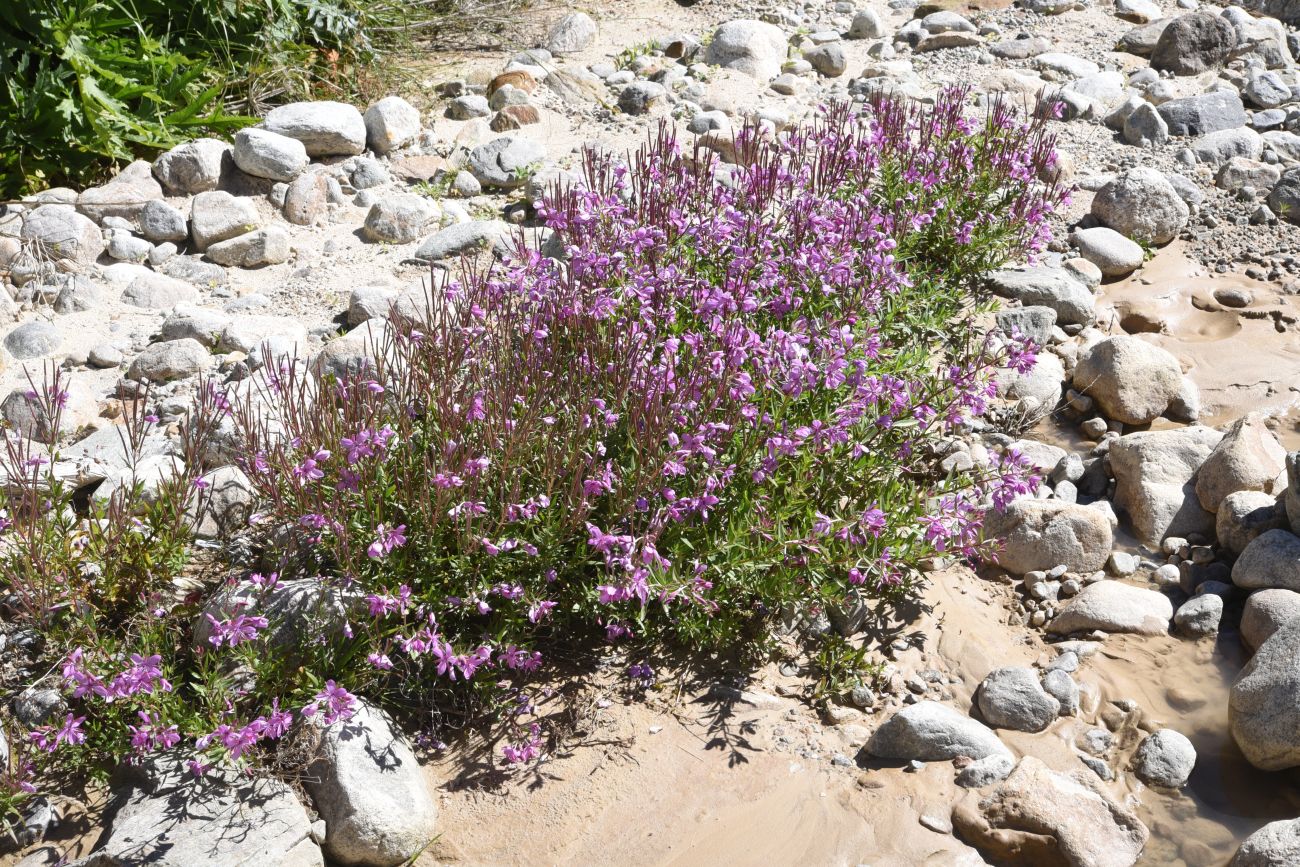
(1271, 560)
(1048, 287)
(459, 238)
(218, 216)
(1248, 458)
(505, 162)
(391, 123)
(571, 34)
(1264, 704)
(268, 246)
(755, 48)
(1194, 43)
(399, 219)
(59, 232)
(1012, 698)
(1154, 472)
(124, 196)
(1204, 113)
(192, 168)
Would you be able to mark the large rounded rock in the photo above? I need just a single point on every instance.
(1243, 516)
(123, 196)
(1284, 198)
(1191, 44)
(1154, 472)
(59, 232)
(1165, 758)
(1141, 204)
(192, 168)
(1113, 606)
(1248, 458)
(1277, 844)
(1039, 817)
(399, 219)
(932, 732)
(371, 792)
(325, 128)
(1271, 560)
(571, 34)
(1264, 704)
(391, 123)
(1266, 612)
(1044, 534)
(1040, 386)
(1045, 286)
(1012, 698)
(1199, 617)
(505, 162)
(218, 216)
(169, 360)
(269, 246)
(753, 47)
(1132, 381)
(1204, 113)
(35, 339)
(160, 222)
(152, 291)
(265, 154)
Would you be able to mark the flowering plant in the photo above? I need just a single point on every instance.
(723, 391)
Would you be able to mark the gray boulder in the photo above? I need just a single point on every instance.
(1039, 817)
(643, 97)
(298, 609)
(1284, 198)
(1277, 844)
(755, 48)
(1113, 606)
(1144, 127)
(571, 34)
(1271, 560)
(1111, 252)
(827, 59)
(35, 339)
(461, 238)
(371, 792)
(1142, 40)
(1043, 534)
(468, 107)
(1199, 616)
(218, 216)
(325, 128)
(1265, 612)
(1154, 473)
(58, 232)
(265, 154)
(391, 123)
(1194, 43)
(506, 161)
(153, 291)
(1141, 204)
(1037, 388)
(1216, 148)
(123, 196)
(1035, 323)
(1264, 704)
(399, 219)
(223, 505)
(1165, 758)
(1204, 113)
(1133, 381)
(269, 246)
(163, 816)
(931, 732)
(160, 222)
(1243, 515)
(192, 168)
(169, 360)
(1045, 286)
(866, 24)
(1012, 698)
(1248, 458)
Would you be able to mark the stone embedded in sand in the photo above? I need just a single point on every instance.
(1012, 698)
(400, 218)
(1264, 704)
(460, 238)
(1144, 127)
(59, 232)
(753, 47)
(1271, 560)
(124, 196)
(505, 162)
(1165, 758)
(1142, 40)
(169, 360)
(1248, 458)
(371, 792)
(1154, 472)
(1042, 818)
(1204, 113)
(1044, 534)
(325, 128)
(1141, 204)
(1113, 606)
(866, 24)
(1277, 844)
(1111, 252)
(269, 246)
(159, 292)
(1133, 381)
(1217, 148)
(1284, 199)
(1199, 616)
(931, 732)
(35, 339)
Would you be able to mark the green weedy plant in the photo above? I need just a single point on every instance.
(726, 399)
